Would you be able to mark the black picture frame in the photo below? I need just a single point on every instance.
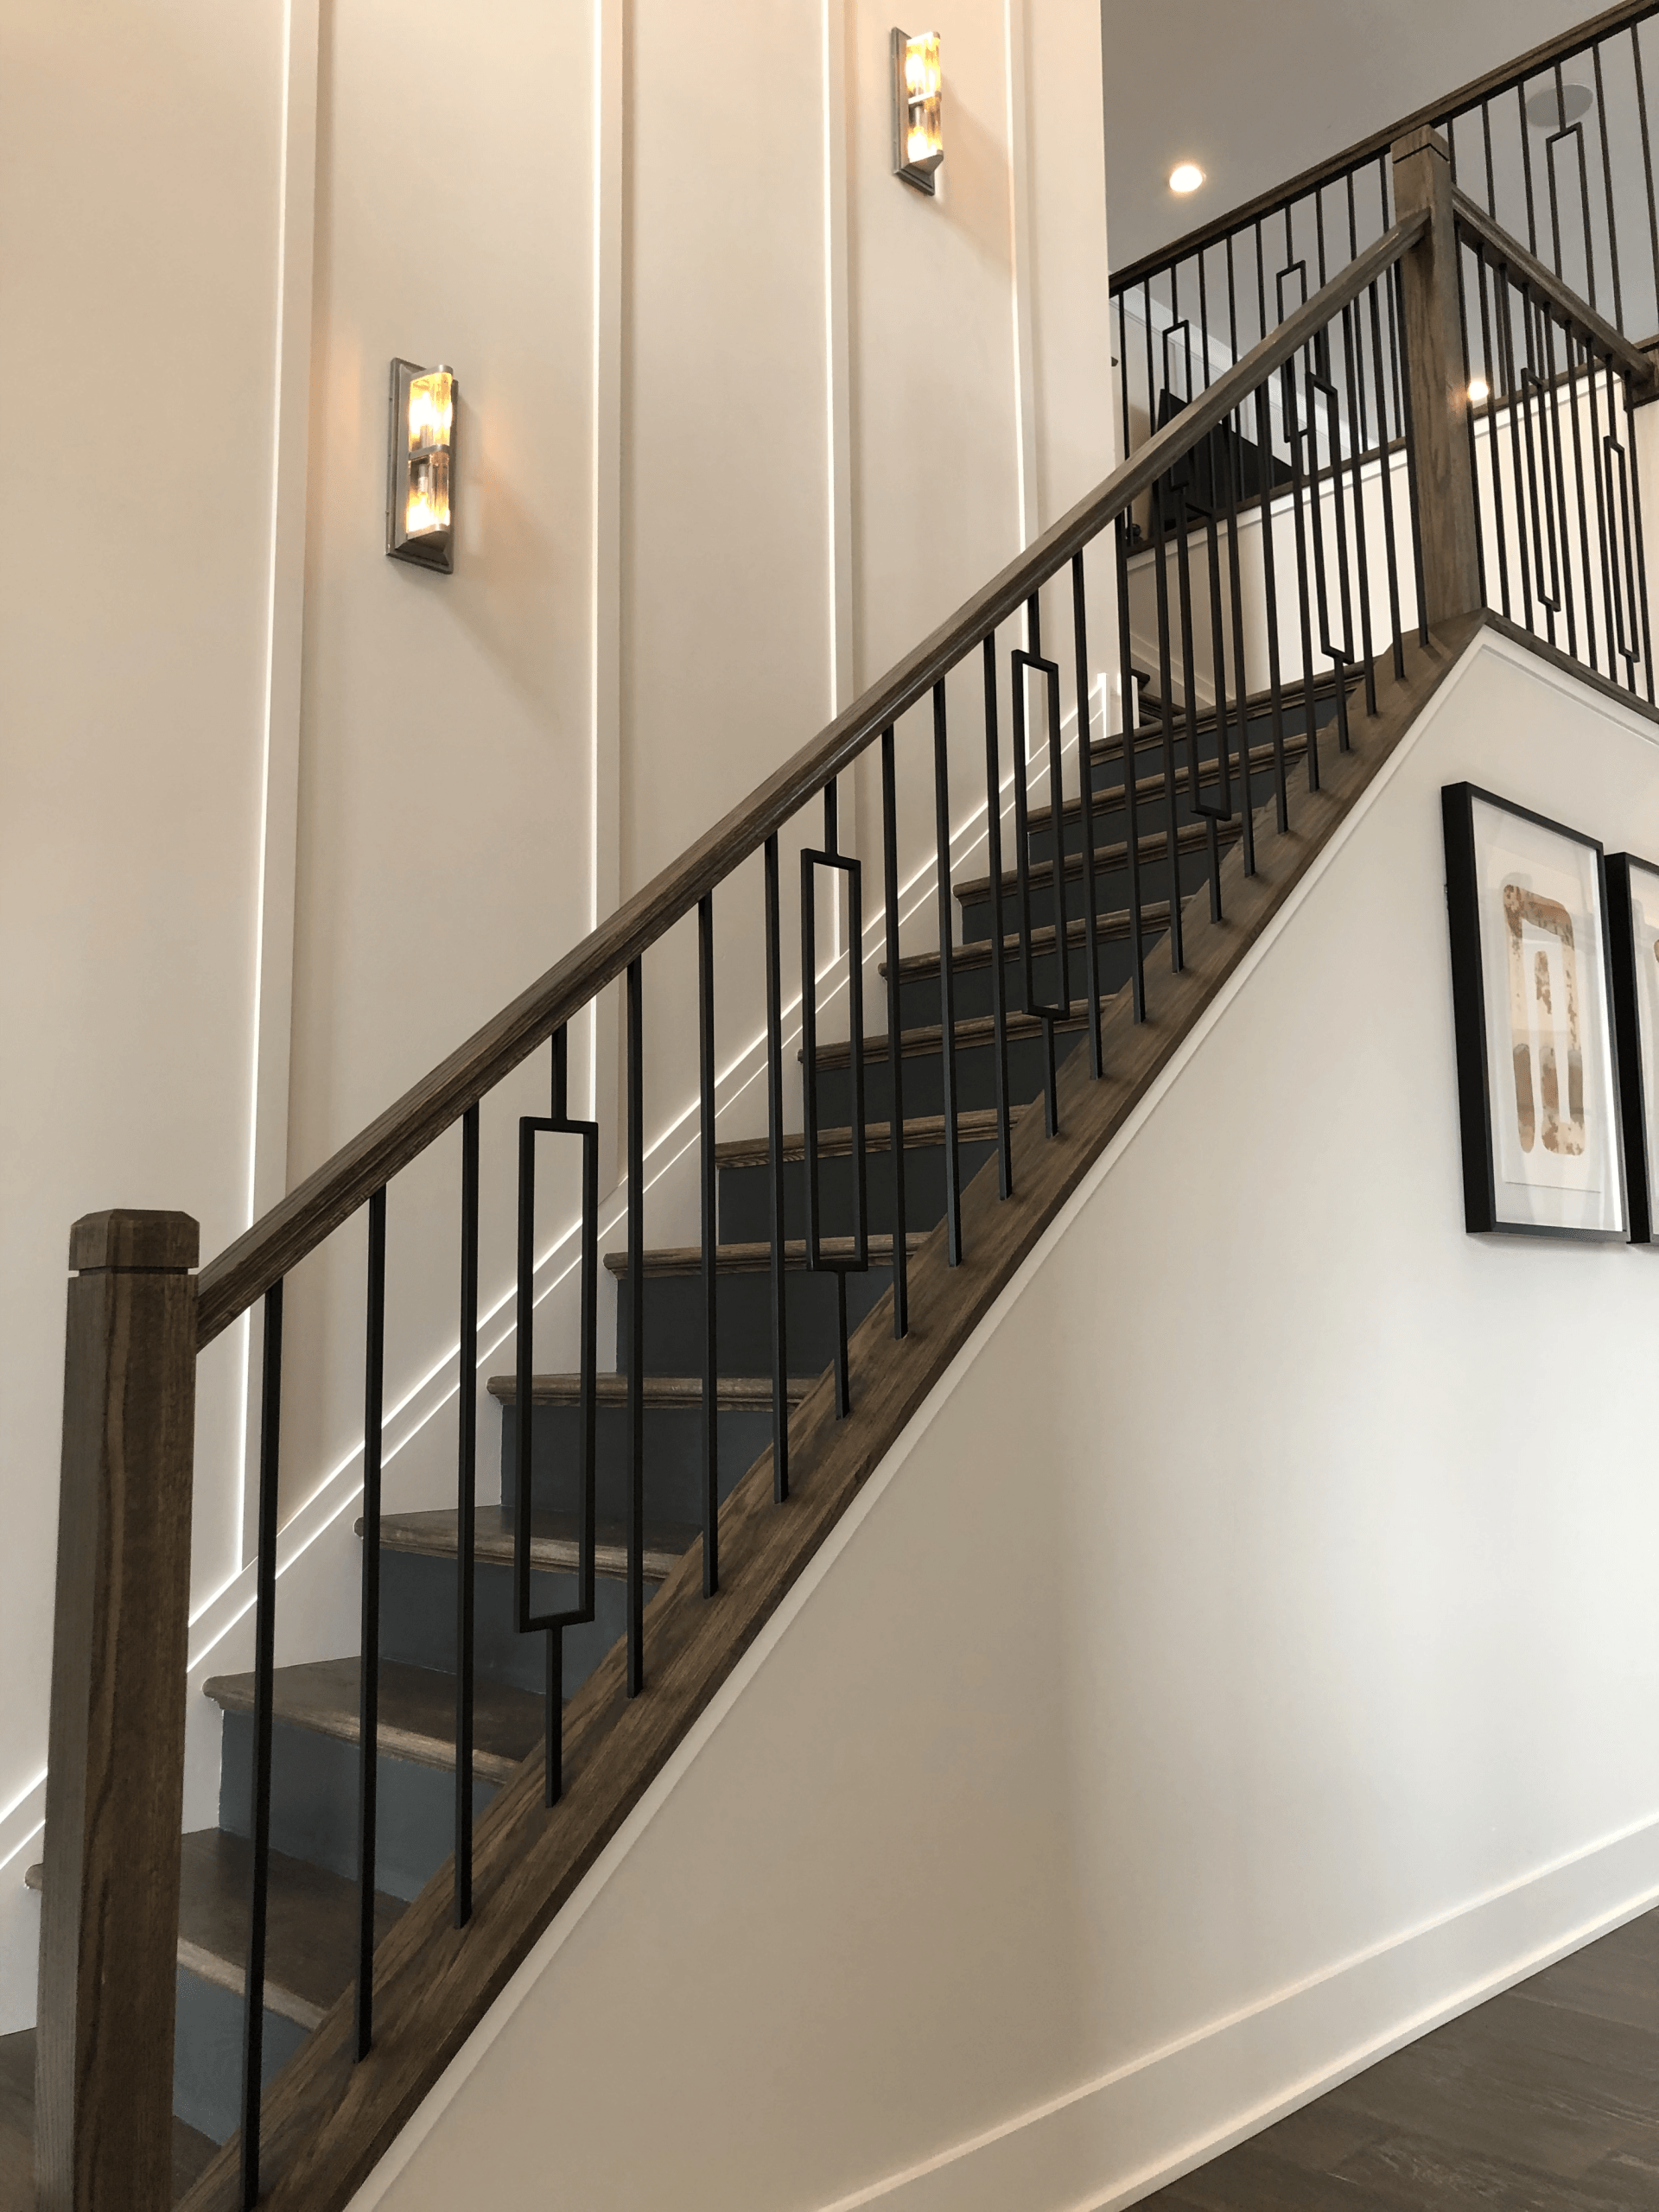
(1487, 1211)
(1635, 1051)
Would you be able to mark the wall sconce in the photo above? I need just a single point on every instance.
(420, 467)
(918, 139)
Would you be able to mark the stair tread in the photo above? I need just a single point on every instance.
(735, 1393)
(311, 1927)
(191, 2151)
(974, 1125)
(975, 952)
(417, 1712)
(1153, 845)
(311, 1930)
(972, 1030)
(553, 1548)
(756, 1259)
(1149, 789)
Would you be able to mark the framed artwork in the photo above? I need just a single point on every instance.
(1532, 999)
(1633, 937)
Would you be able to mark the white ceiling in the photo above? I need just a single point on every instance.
(1255, 93)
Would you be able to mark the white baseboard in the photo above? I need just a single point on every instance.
(1117, 2139)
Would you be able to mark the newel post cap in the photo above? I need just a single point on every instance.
(1425, 139)
(135, 1241)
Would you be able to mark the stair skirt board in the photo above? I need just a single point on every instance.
(530, 1863)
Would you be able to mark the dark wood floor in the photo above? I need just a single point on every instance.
(1545, 2099)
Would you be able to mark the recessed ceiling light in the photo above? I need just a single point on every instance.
(1186, 176)
(1545, 112)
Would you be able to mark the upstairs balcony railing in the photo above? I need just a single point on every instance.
(1267, 560)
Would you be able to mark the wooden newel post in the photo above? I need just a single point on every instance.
(1434, 364)
(115, 1782)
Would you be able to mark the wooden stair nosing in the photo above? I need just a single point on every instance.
(922, 1132)
(975, 953)
(310, 1930)
(417, 1720)
(1152, 847)
(329, 2118)
(553, 1547)
(973, 1032)
(735, 1393)
(755, 1259)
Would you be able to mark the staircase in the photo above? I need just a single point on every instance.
(996, 1083)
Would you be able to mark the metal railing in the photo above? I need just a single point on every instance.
(1263, 558)
(1554, 147)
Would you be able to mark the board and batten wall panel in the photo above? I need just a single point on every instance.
(140, 154)
(1244, 1661)
(741, 417)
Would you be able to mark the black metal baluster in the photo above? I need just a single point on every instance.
(1469, 405)
(1494, 377)
(1086, 800)
(1584, 512)
(1297, 482)
(558, 1121)
(374, 1362)
(1165, 685)
(1526, 169)
(1190, 702)
(466, 1515)
(1516, 397)
(998, 971)
(264, 1651)
(1362, 556)
(895, 1035)
(817, 1256)
(1414, 502)
(1549, 398)
(635, 1329)
(947, 983)
(710, 1230)
(1604, 523)
(1645, 636)
(1271, 592)
(775, 1167)
(1385, 481)
(1607, 187)
(1647, 156)
(1130, 718)
(1235, 606)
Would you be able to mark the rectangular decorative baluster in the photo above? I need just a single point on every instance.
(1086, 802)
(264, 1650)
(1165, 685)
(636, 1330)
(559, 1122)
(1130, 718)
(466, 1514)
(1048, 1012)
(998, 970)
(818, 1258)
(895, 1035)
(775, 1170)
(374, 1382)
(710, 1235)
(947, 981)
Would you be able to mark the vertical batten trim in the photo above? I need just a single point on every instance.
(843, 676)
(605, 852)
(1020, 258)
(272, 1013)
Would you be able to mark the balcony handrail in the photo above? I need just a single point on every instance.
(1542, 282)
(269, 1250)
(1491, 86)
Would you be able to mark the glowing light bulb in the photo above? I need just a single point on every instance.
(1185, 177)
(918, 135)
(1480, 391)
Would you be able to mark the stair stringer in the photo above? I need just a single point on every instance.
(329, 2121)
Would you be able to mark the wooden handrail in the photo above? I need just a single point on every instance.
(1503, 78)
(298, 1223)
(1531, 274)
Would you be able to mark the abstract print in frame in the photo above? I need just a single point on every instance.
(1633, 936)
(1531, 993)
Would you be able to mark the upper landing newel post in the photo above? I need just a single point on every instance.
(115, 1776)
(1434, 364)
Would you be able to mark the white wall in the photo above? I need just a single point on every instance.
(139, 162)
(742, 415)
(1244, 1661)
